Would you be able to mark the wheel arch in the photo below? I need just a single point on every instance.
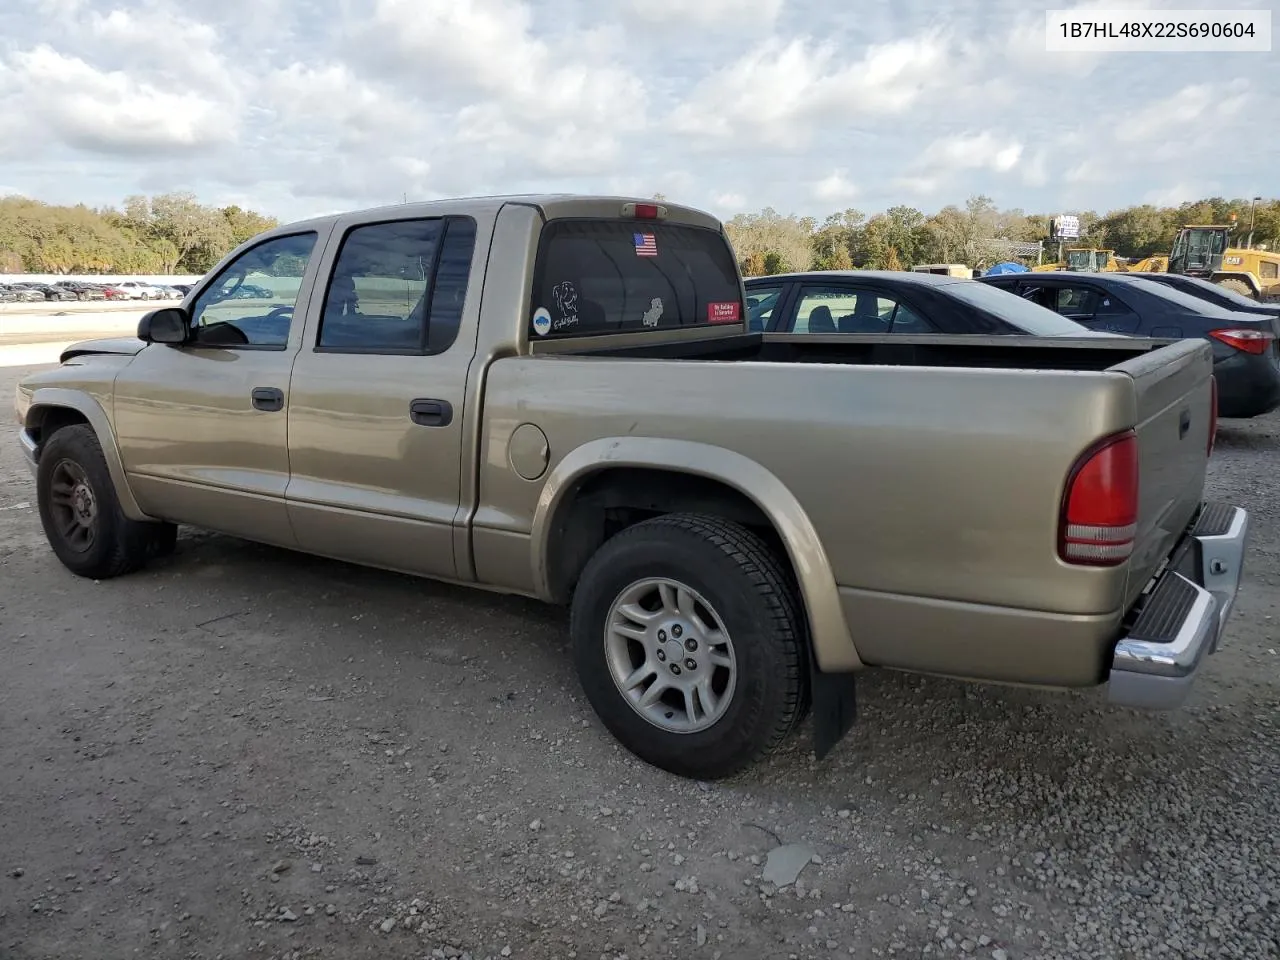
(53, 408)
(652, 476)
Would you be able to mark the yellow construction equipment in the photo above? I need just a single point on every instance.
(1203, 250)
(1084, 260)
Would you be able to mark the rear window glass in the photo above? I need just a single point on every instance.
(1014, 310)
(623, 276)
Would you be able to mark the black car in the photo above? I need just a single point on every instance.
(872, 301)
(23, 294)
(1246, 354)
(1213, 292)
(82, 290)
(47, 290)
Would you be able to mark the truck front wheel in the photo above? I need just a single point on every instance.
(80, 512)
(689, 644)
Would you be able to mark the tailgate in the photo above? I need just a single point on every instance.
(1172, 388)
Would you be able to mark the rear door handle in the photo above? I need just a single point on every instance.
(270, 399)
(1184, 423)
(431, 413)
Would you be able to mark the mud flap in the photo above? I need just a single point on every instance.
(834, 707)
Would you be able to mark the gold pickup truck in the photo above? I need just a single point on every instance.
(559, 397)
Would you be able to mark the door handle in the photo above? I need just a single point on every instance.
(431, 413)
(1184, 423)
(270, 399)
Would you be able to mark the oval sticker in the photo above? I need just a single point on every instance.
(542, 321)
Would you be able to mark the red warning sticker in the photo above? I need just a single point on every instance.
(728, 312)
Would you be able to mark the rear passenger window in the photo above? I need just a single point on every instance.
(398, 287)
(629, 276)
(854, 310)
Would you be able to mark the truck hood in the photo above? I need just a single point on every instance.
(117, 346)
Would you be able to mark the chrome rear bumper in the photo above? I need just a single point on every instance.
(1156, 662)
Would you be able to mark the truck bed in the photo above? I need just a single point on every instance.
(933, 467)
(993, 352)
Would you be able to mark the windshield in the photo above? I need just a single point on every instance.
(1012, 309)
(1080, 259)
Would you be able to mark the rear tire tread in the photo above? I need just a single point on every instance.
(753, 559)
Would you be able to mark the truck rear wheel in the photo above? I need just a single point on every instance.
(1237, 286)
(689, 644)
(80, 512)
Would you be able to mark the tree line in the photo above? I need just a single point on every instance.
(978, 234)
(171, 233)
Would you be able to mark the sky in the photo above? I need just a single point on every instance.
(305, 107)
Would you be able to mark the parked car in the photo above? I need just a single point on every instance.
(170, 292)
(252, 291)
(567, 403)
(1245, 349)
(137, 290)
(49, 290)
(82, 289)
(7, 295)
(182, 288)
(114, 291)
(24, 294)
(1215, 293)
(894, 302)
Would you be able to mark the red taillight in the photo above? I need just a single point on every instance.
(1100, 508)
(1213, 412)
(1249, 341)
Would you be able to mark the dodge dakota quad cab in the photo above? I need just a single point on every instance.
(559, 397)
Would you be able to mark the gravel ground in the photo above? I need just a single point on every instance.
(243, 752)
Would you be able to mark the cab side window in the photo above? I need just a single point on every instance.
(251, 302)
(398, 287)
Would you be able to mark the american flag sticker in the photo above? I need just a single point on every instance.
(646, 245)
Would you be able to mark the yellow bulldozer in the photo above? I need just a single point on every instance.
(1203, 250)
(1084, 260)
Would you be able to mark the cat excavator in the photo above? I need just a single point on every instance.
(1204, 251)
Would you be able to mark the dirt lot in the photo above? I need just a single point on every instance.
(242, 752)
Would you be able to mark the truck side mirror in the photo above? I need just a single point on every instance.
(171, 325)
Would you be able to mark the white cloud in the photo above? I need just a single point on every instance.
(1179, 193)
(734, 14)
(835, 188)
(1185, 107)
(778, 91)
(729, 202)
(112, 111)
(1035, 172)
(971, 152)
(301, 105)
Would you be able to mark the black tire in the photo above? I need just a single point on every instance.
(742, 580)
(118, 545)
(1237, 286)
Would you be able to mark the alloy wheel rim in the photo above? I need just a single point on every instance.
(670, 655)
(73, 505)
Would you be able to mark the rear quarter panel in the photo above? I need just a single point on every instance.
(925, 482)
